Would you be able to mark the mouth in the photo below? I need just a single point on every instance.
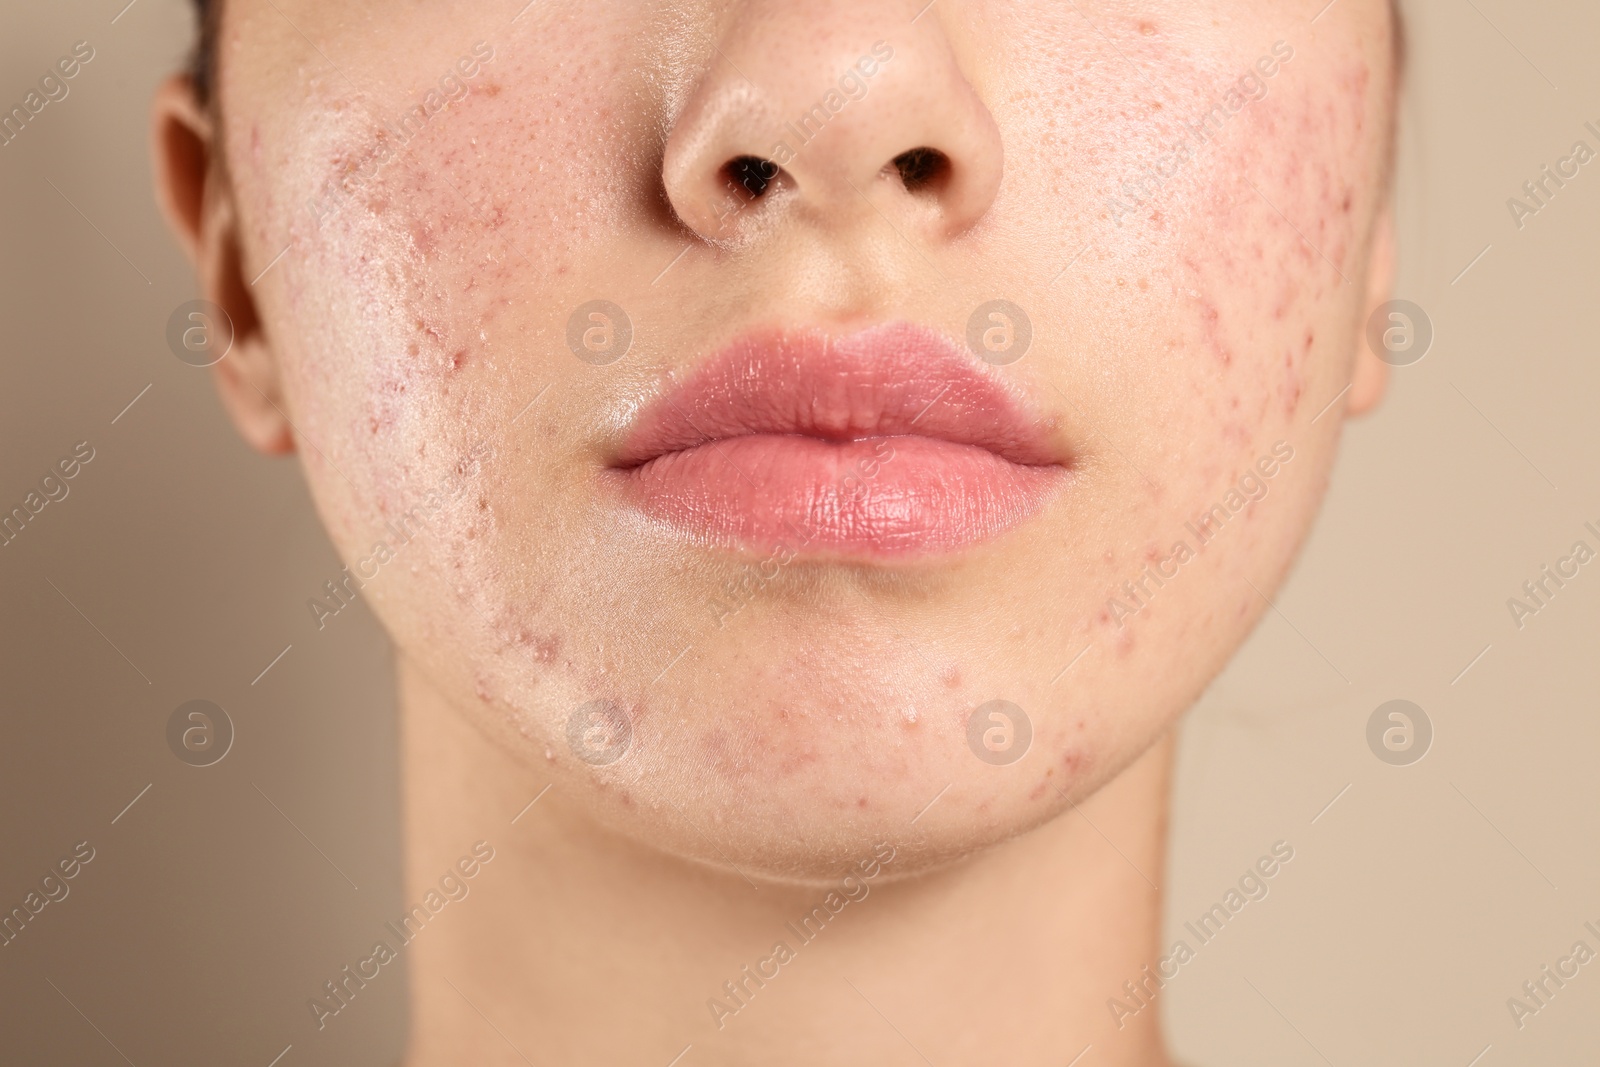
(884, 442)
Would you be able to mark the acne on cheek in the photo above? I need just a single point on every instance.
(1279, 240)
(1075, 763)
(429, 371)
(1230, 275)
(446, 250)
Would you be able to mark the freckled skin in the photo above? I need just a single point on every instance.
(1173, 345)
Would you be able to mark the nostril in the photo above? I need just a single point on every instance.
(922, 168)
(752, 173)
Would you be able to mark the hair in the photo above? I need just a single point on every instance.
(202, 66)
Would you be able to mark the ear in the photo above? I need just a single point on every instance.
(1369, 375)
(197, 200)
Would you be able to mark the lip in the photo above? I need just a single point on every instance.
(884, 442)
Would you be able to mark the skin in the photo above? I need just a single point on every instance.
(412, 341)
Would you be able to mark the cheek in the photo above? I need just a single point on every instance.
(1276, 260)
(427, 268)
(1217, 297)
(1221, 231)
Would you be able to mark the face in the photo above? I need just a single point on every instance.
(725, 404)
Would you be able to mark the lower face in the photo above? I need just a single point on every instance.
(749, 586)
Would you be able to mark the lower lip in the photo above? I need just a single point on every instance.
(877, 496)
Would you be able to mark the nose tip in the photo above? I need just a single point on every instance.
(866, 118)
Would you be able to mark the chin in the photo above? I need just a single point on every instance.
(778, 781)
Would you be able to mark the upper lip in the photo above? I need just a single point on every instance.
(884, 381)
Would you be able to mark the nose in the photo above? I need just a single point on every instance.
(832, 111)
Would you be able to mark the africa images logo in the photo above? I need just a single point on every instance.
(453, 885)
(852, 889)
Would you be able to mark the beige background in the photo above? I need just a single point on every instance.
(216, 904)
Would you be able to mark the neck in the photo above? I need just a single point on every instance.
(574, 945)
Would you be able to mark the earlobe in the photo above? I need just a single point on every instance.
(197, 201)
(1369, 375)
